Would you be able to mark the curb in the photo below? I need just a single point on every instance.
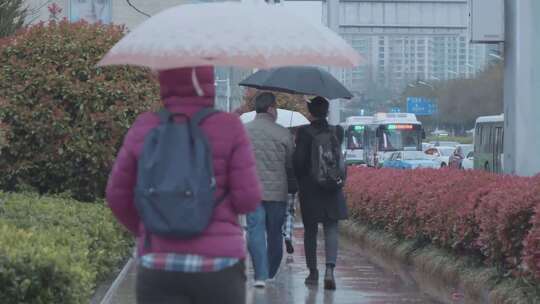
(383, 253)
(114, 286)
(441, 278)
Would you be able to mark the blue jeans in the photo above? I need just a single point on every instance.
(275, 218)
(265, 238)
(256, 241)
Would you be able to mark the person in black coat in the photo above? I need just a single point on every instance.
(318, 205)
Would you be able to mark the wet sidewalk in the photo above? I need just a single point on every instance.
(358, 281)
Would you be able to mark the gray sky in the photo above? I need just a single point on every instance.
(310, 10)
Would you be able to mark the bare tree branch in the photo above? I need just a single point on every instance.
(136, 9)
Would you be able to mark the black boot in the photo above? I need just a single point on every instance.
(329, 280)
(289, 246)
(313, 277)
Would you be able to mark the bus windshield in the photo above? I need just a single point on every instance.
(398, 140)
(355, 138)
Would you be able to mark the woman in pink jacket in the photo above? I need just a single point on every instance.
(208, 268)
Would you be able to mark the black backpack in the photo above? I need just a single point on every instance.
(175, 180)
(327, 165)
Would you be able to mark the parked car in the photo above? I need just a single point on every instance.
(468, 162)
(459, 155)
(410, 160)
(383, 158)
(441, 154)
(452, 144)
(442, 133)
(426, 146)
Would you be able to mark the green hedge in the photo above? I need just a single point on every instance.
(56, 250)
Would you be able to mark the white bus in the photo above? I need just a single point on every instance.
(390, 132)
(353, 144)
(488, 143)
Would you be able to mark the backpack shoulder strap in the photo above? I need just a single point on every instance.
(196, 120)
(201, 115)
(164, 115)
(332, 129)
(312, 131)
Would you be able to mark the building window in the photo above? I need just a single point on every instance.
(92, 11)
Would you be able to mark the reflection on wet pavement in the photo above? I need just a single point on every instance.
(358, 281)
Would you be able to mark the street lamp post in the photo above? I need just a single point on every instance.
(496, 56)
(521, 87)
(452, 72)
(227, 92)
(332, 21)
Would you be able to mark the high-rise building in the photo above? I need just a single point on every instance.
(403, 41)
(396, 61)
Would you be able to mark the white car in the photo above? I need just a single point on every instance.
(468, 162)
(441, 154)
(438, 143)
(426, 146)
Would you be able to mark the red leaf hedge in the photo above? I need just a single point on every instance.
(62, 119)
(493, 217)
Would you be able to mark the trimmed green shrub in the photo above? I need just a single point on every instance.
(284, 101)
(61, 118)
(49, 266)
(66, 248)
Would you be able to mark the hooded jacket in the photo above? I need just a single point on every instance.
(188, 90)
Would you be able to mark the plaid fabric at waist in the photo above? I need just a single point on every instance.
(185, 262)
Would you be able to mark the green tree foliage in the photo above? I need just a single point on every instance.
(12, 16)
(461, 101)
(285, 101)
(62, 118)
(376, 98)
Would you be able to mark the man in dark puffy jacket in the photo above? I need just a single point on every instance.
(273, 146)
(318, 205)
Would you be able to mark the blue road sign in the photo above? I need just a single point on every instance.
(421, 106)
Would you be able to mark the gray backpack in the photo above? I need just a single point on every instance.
(175, 187)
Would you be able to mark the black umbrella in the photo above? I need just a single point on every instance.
(298, 80)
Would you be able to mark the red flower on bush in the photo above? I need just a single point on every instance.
(54, 11)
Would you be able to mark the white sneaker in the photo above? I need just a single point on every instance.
(273, 279)
(259, 284)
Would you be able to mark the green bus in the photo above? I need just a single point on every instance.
(488, 143)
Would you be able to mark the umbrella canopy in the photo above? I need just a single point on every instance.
(285, 118)
(249, 35)
(298, 80)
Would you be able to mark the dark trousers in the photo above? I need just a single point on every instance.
(330, 242)
(275, 218)
(227, 286)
